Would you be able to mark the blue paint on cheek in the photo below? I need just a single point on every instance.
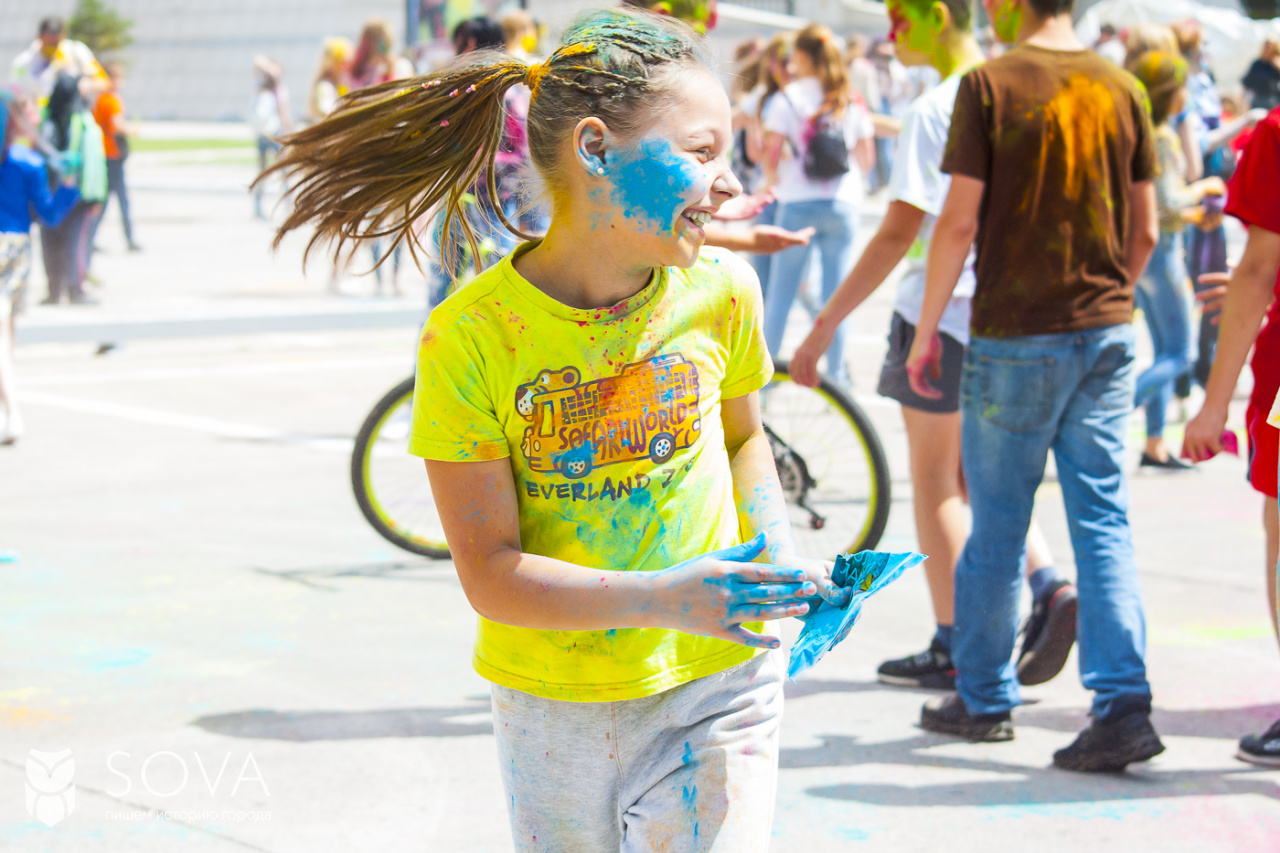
(687, 758)
(652, 184)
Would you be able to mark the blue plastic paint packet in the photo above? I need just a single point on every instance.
(867, 572)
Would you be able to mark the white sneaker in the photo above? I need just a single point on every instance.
(13, 428)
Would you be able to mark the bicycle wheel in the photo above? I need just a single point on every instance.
(831, 464)
(390, 485)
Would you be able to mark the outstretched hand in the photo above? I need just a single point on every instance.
(745, 206)
(924, 363)
(770, 239)
(712, 595)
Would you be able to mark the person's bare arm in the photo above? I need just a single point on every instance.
(1229, 130)
(887, 248)
(709, 595)
(759, 239)
(1144, 229)
(953, 235)
(864, 154)
(1249, 294)
(773, 145)
(758, 494)
(1191, 151)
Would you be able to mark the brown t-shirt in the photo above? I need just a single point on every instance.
(1059, 138)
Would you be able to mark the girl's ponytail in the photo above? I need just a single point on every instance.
(390, 154)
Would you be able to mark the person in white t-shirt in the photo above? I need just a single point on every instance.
(818, 97)
(936, 33)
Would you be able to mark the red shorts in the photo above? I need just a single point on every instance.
(1264, 439)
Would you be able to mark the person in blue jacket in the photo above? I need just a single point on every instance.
(24, 192)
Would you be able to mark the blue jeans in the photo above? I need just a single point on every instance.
(1022, 397)
(834, 223)
(1162, 295)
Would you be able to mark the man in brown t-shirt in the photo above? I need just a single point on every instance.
(1051, 159)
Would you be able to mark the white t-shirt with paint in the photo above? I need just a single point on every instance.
(790, 114)
(918, 180)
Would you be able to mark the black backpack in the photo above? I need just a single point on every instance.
(828, 154)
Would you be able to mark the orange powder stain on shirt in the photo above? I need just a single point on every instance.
(1078, 122)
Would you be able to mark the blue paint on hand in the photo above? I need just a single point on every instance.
(866, 573)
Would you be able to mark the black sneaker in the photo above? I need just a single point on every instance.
(1169, 463)
(948, 715)
(931, 669)
(1106, 747)
(1261, 749)
(1049, 634)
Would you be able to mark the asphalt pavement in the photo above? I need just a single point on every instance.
(194, 608)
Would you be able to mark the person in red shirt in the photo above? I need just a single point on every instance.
(108, 112)
(1253, 198)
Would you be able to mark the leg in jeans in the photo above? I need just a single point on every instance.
(835, 247)
(1010, 400)
(1090, 454)
(787, 268)
(86, 216)
(116, 184)
(1162, 296)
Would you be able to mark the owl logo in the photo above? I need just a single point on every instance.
(51, 790)
(547, 380)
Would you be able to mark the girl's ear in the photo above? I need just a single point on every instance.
(591, 145)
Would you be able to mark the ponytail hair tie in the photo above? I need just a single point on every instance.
(533, 74)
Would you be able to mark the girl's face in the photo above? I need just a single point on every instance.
(800, 64)
(661, 189)
(1179, 102)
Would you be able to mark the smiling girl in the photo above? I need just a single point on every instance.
(588, 411)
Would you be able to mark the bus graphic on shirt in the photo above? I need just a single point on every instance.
(649, 410)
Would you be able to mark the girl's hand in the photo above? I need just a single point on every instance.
(714, 594)
(1212, 185)
(803, 366)
(745, 206)
(770, 239)
(925, 358)
(1213, 294)
(1203, 437)
(818, 572)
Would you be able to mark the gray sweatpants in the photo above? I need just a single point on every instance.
(691, 769)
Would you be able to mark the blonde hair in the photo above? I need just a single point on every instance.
(390, 154)
(1145, 38)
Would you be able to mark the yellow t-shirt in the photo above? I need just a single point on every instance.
(611, 419)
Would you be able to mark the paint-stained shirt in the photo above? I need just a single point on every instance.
(611, 421)
(1059, 138)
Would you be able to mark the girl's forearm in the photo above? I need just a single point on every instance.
(1248, 297)
(885, 251)
(758, 495)
(533, 591)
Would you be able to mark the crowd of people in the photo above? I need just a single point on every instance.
(1038, 191)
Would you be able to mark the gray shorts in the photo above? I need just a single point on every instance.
(691, 769)
(896, 385)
